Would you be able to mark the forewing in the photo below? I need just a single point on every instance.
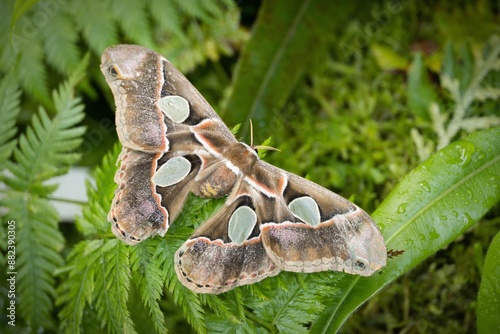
(164, 125)
(136, 211)
(151, 96)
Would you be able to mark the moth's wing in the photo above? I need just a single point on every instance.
(226, 251)
(166, 127)
(327, 232)
(153, 99)
(152, 188)
(136, 211)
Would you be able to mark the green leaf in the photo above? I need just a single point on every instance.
(112, 287)
(132, 17)
(60, 43)
(20, 7)
(32, 71)
(38, 247)
(96, 23)
(78, 287)
(388, 59)
(94, 219)
(83, 272)
(427, 210)
(292, 305)
(9, 110)
(488, 317)
(421, 93)
(45, 150)
(289, 37)
(168, 19)
(149, 279)
(183, 297)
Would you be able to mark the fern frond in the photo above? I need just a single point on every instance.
(112, 277)
(60, 43)
(99, 276)
(214, 9)
(213, 23)
(228, 306)
(94, 220)
(32, 71)
(291, 308)
(190, 303)
(219, 324)
(79, 276)
(187, 300)
(44, 151)
(167, 17)
(77, 289)
(131, 16)
(20, 7)
(465, 78)
(95, 21)
(38, 246)
(112, 287)
(24, 53)
(149, 279)
(193, 8)
(9, 110)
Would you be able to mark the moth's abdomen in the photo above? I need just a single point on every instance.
(215, 182)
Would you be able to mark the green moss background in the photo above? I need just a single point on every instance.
(355, 96)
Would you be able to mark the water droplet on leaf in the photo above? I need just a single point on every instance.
(402, 208)
(466, 150)
(425, 185)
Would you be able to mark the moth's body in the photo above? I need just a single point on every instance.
(272, 220)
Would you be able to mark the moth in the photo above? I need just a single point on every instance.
(174, 143)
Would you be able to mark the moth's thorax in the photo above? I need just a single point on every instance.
(241, 156)
(239, 160)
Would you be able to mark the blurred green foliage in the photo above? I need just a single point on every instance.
(354, 95)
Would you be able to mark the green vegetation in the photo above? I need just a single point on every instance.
(395, 105)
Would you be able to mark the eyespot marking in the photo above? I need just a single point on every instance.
(241, 224)
(306, 209)
(175, 107)
(172, 172)
(361, 263)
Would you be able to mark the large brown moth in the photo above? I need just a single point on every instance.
(174, 143)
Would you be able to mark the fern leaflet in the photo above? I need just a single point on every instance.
(77, 289)
(112, 287)
(149, 279)
(9, 110)
(44, 151)
(84, 262)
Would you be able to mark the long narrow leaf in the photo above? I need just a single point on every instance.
(488, 317)
(288, 39)
(428, 210)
